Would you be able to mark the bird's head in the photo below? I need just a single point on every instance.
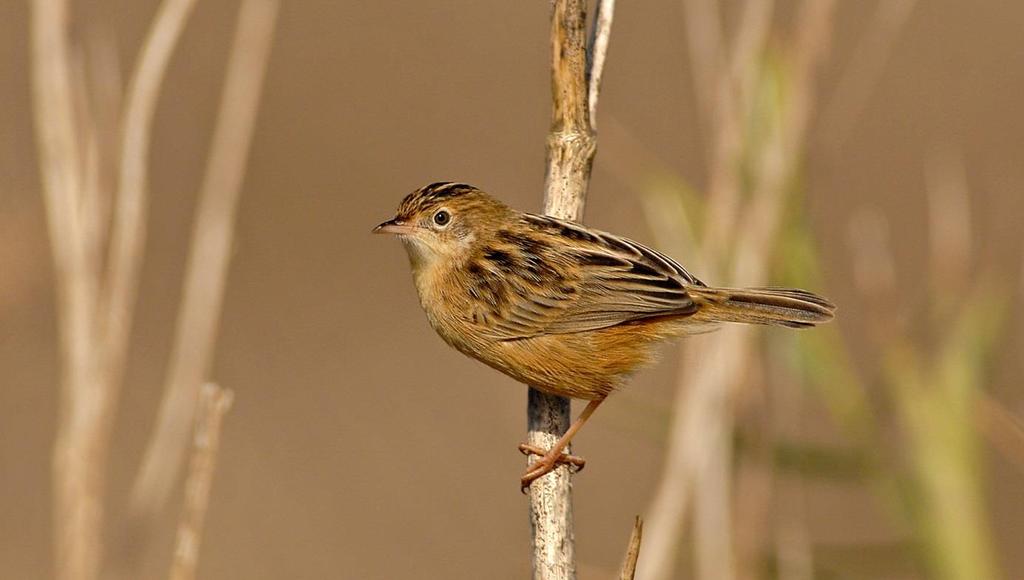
(441, 221)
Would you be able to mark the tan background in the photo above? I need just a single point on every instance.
(359, 445)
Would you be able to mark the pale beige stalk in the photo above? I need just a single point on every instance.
(93, 307)
(571, 146)
(700, 454)
(207, 266)
(214, 402)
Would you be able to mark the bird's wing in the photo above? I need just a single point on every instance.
(582, 280)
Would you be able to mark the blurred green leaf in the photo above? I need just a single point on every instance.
(763, 117)
(937, 397)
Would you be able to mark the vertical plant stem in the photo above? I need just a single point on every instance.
(77, 495)
(94, 311)
(207, 267)
(205, 280)
(128, 233)
(633, 550)
(214, 402)
(699, 457)
(571, 146)
(571, 141)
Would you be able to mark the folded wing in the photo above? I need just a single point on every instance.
(595, 281)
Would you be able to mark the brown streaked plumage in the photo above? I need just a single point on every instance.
(556, 305)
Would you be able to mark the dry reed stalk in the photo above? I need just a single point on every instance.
(699, 457)
(633, 550)
(934, 389)
(93, 306)
(214, 402)
(205, 280)
(207, 266)
(937, 391)
(80, 444)
(128, 233)
(575, 88)
(97, 282)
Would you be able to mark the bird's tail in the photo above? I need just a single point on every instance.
(776, 306)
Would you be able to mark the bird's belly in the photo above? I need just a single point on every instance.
(584, 365)
(587, 365)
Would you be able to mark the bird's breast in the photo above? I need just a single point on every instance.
(448, 306)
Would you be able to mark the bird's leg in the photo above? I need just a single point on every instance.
(554, 456)
(563, 458)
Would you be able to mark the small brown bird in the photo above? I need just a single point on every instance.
(561, 307)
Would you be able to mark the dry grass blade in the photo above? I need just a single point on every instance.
(699, 456)
(598, 51)
(55, 117)
(214, 402)
(96, 306)
(633, 550)
(77, 491)
(711, 366)
(207, 267)
(128, 234)
(93, 338)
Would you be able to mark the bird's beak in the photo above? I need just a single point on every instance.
(394, 226)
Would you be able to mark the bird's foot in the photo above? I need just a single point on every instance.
(548, 461)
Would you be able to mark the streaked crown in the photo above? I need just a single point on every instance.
(434, 195)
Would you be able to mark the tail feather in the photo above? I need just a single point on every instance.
(776, 306)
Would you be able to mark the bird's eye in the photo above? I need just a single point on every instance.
(442, 218)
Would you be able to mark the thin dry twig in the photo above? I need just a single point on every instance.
(214, 402)
(207, 266)
(77, 489)
(633, 550)
(128, 234)
(571, 146)
(600, 34)
(205, 280)
(699, 455)
(731, 91)
(93, 321)
(76, 116)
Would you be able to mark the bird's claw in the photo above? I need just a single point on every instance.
(546, 464)
(576, 461)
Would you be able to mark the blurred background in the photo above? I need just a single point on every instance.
(869, 151)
